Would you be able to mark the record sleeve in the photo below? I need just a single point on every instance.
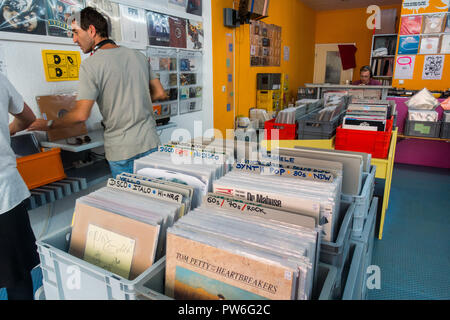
(445, 44)
(23, 16)
(194, 7)
(429, 44)
(177, 28)
(111, 12)
(158, 29)
(177, 4)
(58, 13)
(133, 24)
(194, 35)
(433, 23)
(408, 45)
(411, 25)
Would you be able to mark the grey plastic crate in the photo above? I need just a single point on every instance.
(334, 253)
(309, 126)
(66, 277)
(445, 130)
(368, 240)
(152, 286)
(362, 201)
(353, 277)
(422, 129)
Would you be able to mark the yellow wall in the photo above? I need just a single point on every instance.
(298, 24)
(348, 26)
(417, 83)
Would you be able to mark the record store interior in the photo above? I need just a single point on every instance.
(310, 137)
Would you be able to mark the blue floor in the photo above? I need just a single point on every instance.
(414, 254)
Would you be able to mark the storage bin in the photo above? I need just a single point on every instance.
(445, 130)
(368, 239)
(353, 277)
(373, 142)
(362, 201)
(152, 286)
(334, 253)
(41, 168)
(66, 277)
(310, 128)
(422, 129)
(286, 131)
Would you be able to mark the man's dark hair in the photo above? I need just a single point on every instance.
(366, 68)
(90, 16)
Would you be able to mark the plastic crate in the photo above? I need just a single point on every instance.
(353, 277)
(334, 253)
(310, 128)
(368, 240)
(422, 129)
(286, 131)
(152, 286)
(41, 168)
(374, 142)
(445, 130)
(66, 277)
(362, 201)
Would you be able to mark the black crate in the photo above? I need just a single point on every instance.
(422, 129)
(445, 130)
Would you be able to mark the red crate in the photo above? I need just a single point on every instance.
(373, 142)
(286, 131)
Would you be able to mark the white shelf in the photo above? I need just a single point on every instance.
(96, 141)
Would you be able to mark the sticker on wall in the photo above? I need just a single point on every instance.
(61, 65)
(404, 67)
(230, 69)
(433, 67)
(408, 45)
(415, 5)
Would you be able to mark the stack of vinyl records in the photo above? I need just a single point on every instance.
(310, 191)
(291, 115)
(192, 167)
(368, 115)
(214, 253)
(311, 104)
(122, 227)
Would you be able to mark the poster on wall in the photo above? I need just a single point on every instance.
(432, 67)
(158, 29)
(177, 32)
(404, 67)
(194, 35)
(25, 16)
(58, 14)
(134, 25)
(112, 13)
(194, 7)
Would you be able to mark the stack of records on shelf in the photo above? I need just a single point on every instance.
(423, 115)
(122, 227)
(291, 115)
(190, 166)
(216, 253)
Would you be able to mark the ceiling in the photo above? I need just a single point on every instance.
(322, 5)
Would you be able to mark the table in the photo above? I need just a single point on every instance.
(385, 167)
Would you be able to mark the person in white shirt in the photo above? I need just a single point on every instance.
(18, 251)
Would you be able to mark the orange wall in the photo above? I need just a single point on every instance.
(417, 83)
(298, 29)
(348, 26)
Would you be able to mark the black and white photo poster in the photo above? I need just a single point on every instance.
(432, 67)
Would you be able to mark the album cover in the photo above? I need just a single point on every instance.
(58, 13)
(178, 4)
(25, 16)
(53, 107)
(408, 45)
(445, 45)
(411, 25)
(447, 25)
(177, 28)
(222, 275)
(173, 79)
(111, 12)
(433, 23)
(194, 7)
(194, 35)
(158, 29)
(429, 45)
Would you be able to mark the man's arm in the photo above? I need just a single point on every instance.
(22, 120)
(80, 113)
(157, 91)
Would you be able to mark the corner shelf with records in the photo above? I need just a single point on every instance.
(382, 57)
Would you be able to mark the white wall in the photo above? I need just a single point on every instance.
(26, 72)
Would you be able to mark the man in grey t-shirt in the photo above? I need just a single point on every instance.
(118, 79)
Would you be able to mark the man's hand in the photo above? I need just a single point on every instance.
(39, 125)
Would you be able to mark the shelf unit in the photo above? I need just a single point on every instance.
(377, 62)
